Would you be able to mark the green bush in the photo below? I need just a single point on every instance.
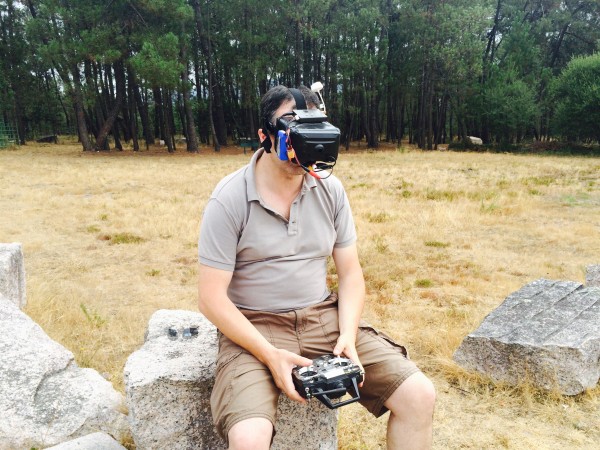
(576, 93)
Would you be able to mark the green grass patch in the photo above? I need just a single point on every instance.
(92, 316)
(403, 184)
(440, 195)
(126, 238)
(488, 208)
(437, 244)
(93, 229)
(503, 184)
(540, 181)
(381, 245)
(122, 238)
(361, 186)
(423, 283)
(482, 195)
(378, 217)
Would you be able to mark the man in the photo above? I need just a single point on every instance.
(266, 234)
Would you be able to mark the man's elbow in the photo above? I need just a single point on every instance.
(202, 299)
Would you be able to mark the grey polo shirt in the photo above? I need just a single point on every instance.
(277, 264)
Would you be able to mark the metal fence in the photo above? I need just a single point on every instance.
(8, 135)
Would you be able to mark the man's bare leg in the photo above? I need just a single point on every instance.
(251, 434)
(410, 424)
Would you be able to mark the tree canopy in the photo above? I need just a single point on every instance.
(423, 70)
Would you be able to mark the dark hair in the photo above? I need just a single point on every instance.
(312, 99)
(271, 101)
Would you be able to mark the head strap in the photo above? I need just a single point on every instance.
(300, 101)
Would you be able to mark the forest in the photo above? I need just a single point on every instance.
(139, 72)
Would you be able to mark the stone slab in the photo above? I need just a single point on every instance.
(592, 276)
(547, 333)
(93, 441)
(12, 274)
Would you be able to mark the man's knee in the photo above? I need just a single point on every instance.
(415, 397)
(251, 434)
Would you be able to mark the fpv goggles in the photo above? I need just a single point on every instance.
(304, 137)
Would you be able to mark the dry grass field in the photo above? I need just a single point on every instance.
(443, 237)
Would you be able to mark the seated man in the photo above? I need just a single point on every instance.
(267, 232)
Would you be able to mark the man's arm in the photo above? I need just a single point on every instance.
(351, 293)
(216, 306)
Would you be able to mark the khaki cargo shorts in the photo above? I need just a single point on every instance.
(245, 389)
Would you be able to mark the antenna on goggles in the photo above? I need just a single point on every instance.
(317, 87)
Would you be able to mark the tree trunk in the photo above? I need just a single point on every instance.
(159, 115)
(125, 110)
(364, 114)
(18, 111)
(112, 115)
(142, 107)
(215, 107)
(297, 50)
(401, 119)
(200, 102)
(191, 136)
(169, 122)
(132, 115)
(82, 130)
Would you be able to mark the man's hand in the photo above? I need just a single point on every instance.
(346, 344)
(280, 363)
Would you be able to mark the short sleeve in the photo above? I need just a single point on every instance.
(343, 221)
(217, 245)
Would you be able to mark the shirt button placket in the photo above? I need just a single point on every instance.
(293, 224)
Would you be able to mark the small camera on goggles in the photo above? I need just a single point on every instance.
(304, 136)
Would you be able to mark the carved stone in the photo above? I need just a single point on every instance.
(548, 333)
(168, 384)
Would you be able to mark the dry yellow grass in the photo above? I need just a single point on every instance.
(444, 238)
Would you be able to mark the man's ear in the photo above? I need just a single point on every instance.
(265, 140)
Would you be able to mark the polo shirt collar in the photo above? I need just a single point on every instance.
(250, 177)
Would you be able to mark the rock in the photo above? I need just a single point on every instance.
(547, 333)
(299, 426)
(474, 140)
(52, 139)
(12, 274)
(168, 384)
(45, 398)
(592, 276)
(94, 441)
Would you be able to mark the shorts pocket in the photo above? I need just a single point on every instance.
(382, 337)
(225, 359)
(329, 322)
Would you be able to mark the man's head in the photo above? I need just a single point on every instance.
(277, 96)
(297, 135)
